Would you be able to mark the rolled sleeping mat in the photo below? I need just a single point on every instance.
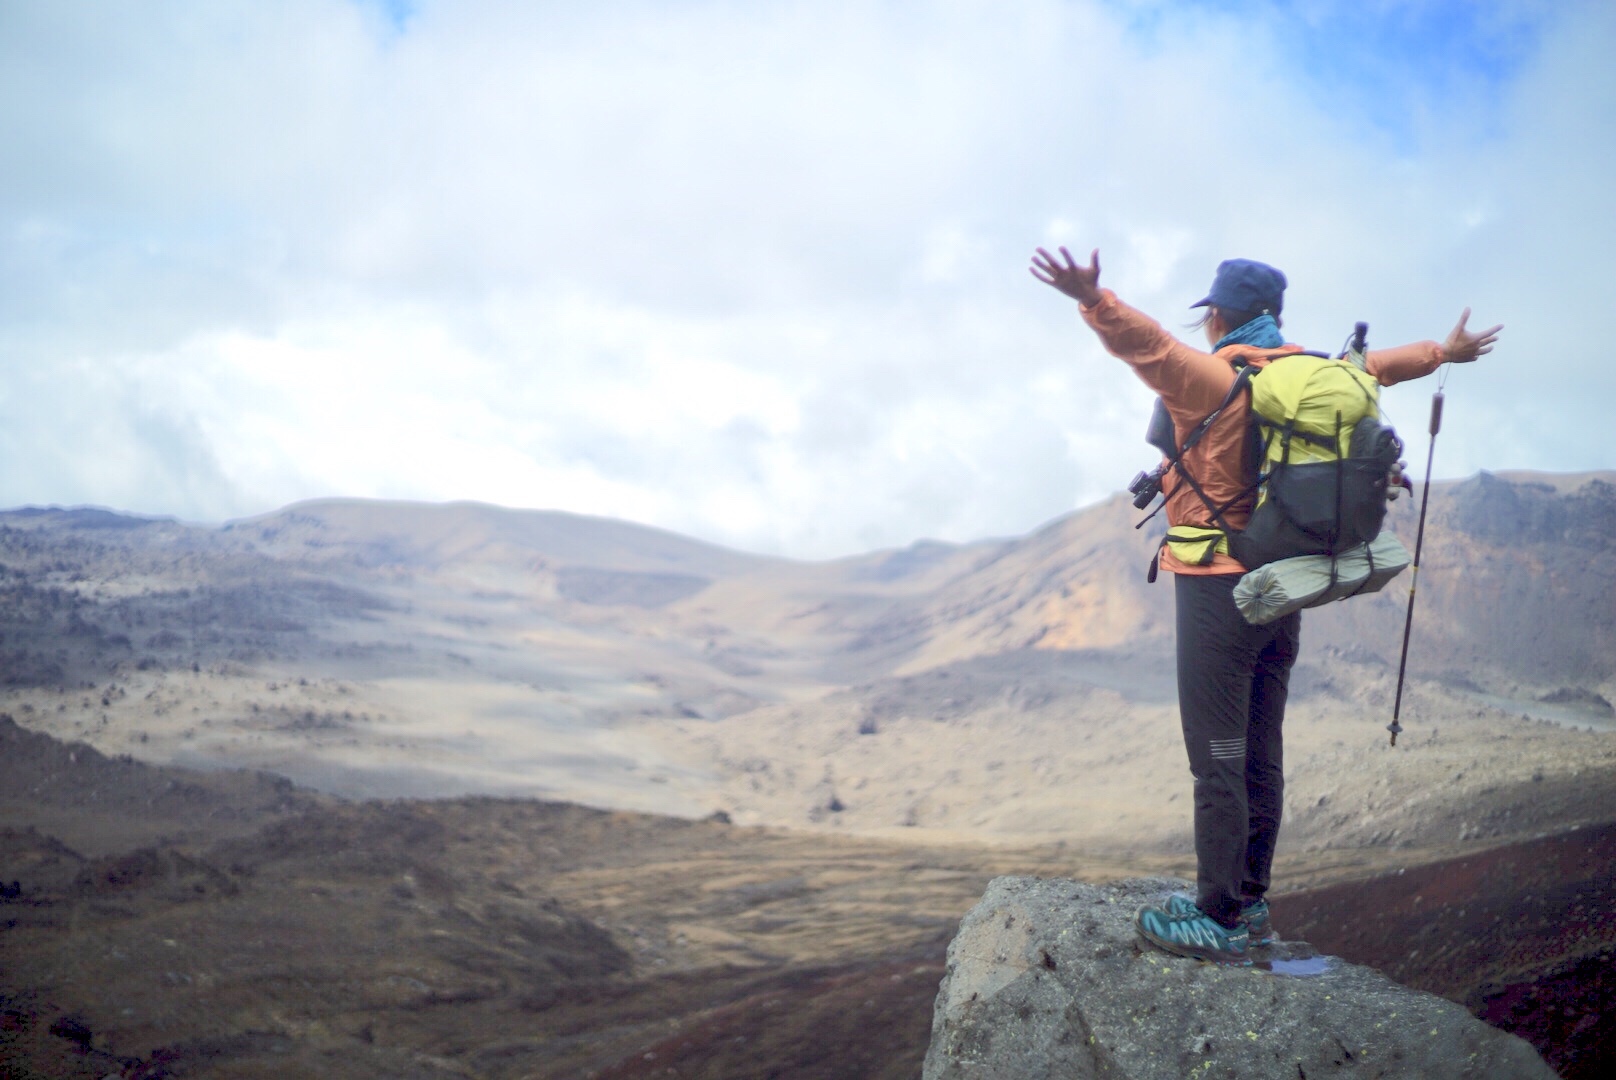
(1270, 592)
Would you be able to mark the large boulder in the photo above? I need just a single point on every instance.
(1048, 978)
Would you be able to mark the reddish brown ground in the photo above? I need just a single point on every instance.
(157, 924)
(1522, 934)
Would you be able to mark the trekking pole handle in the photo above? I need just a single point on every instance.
(1436, 413)
(1360, 335)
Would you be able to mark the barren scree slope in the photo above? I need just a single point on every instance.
(1017, 689)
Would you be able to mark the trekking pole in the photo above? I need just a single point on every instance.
(1419, 542)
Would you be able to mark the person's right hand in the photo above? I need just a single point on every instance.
(1081, 283)
(1397, 481)
(1463, 345)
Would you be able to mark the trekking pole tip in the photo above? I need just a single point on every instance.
(1394, 727)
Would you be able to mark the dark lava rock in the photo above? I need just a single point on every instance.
(1521, 512)
(1048, 978)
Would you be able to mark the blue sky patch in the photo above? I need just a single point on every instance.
(398, 13)
(1392, 65)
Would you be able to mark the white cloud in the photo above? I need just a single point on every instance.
(753, 272)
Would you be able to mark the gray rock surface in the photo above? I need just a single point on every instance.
(1048, 978)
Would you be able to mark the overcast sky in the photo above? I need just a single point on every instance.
(753, 271)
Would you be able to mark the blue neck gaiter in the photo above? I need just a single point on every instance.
(1262, 332)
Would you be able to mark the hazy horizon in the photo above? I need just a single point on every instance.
(896, 545)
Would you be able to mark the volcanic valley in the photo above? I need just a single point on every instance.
(365, 789)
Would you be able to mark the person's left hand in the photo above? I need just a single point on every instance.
(1463, 345)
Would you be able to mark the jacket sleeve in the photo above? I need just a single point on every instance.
(1405, 362)
(1188, 380)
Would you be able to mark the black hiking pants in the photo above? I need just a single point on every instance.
(1232, 682)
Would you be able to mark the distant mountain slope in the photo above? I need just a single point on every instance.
(1076, 583)
(1011, 687)
(373, 533)
(1518, 582)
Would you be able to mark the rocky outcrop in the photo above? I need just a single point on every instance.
(1047, 978)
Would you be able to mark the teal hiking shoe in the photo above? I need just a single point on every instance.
(1190, 933)
(1254, 915)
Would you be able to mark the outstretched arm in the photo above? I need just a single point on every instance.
(1081, 283)
(1190, 381)
(1405, 362)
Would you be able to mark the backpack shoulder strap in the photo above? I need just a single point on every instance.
(1242, 379)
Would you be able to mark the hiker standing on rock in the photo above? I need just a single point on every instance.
(1232, 675)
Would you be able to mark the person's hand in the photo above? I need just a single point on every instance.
(1396, 482)
(1463, 345)
(1081, 283)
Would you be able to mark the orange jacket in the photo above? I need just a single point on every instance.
(1192, 384)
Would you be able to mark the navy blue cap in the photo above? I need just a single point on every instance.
(1246, 285)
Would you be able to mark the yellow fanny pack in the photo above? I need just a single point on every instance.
(1194, 545)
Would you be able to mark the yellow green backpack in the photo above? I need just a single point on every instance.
(1319, 460)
